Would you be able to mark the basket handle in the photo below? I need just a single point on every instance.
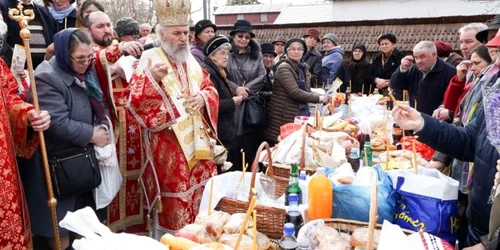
(255, 165)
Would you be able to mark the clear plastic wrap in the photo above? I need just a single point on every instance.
(234, 223)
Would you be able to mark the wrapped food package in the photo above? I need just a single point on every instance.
(263, 242)
(215, 223)
(330, 239)
(234, 223)
(230, 240)
(196, 233)
(359, 237)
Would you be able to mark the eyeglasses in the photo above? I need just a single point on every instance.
(241, 36)
(83, 60)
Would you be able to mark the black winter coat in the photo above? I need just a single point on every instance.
(428, 91)
(313, 60)
(67, 22)
(469, 144)
(226, 128)
(392, 64)
(359, 75)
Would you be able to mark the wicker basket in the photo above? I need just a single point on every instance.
(270, 220)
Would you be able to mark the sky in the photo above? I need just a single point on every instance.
(197, 13)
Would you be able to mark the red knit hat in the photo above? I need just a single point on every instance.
(443, 49)
(495, 42)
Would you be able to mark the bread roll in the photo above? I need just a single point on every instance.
(359, 237)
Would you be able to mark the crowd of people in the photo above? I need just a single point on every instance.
(192, 93)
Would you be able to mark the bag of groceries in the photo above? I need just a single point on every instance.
(426, 202)
(351, 199)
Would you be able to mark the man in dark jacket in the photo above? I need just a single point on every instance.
(426, 81)
(313, 57)
(43, 28)
(467, 144)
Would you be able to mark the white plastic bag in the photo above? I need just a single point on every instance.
(110, 172)
(97, 236)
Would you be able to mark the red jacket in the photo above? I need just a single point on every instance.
(455, 93)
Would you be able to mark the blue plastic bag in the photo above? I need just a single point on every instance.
(430, 208)
(352, 202)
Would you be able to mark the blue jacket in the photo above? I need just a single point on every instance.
(470, 144)
(330, 65)
(428, 91)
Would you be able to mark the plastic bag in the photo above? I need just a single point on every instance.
(110, 172)
(430, 208)
(97, 236)
(352, 202)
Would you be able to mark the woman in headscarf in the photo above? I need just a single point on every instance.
(291, 90)
(64, 13)
(359, 69)
(332, 61)
(217, 52)
(68, 90)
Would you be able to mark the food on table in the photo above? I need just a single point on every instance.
(177, 243)
(230, 240)
(234, 223)
(196, 233)
(263, 242)
(212, 246)
(359, 237)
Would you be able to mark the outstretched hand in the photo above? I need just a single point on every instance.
(407, 118)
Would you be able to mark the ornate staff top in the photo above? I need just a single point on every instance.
(22, 18)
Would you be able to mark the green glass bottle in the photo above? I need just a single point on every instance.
(293, 184)
(369, 154)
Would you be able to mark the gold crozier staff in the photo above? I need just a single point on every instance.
(22, 18)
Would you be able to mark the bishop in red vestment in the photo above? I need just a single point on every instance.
(176, 104)
(15, 114)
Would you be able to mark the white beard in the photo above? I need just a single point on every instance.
(179, 56)
(3, 29)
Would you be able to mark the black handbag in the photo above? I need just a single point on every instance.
(255, 111)
(74, 171)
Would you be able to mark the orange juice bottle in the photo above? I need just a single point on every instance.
(320, 196)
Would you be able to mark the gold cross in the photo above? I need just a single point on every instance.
(22, 17)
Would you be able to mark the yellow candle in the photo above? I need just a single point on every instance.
(415, 155)
(210, 197)
(254, 230)
(251, 206)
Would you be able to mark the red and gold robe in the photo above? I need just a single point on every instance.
(126, 209)
(178, 164)
(15, 231)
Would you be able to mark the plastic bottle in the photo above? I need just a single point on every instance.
(365, 131)
(347, 95)
(288, 241)
(293, 215)
(293, 185)
(354, 159)
(303, 186)
(320, 196)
